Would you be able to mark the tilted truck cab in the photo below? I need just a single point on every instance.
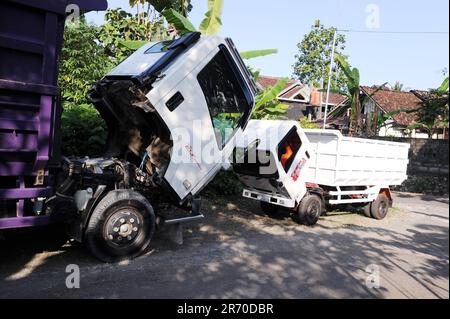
(174, 107)
(173, 110)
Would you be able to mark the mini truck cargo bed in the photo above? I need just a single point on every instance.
(337, 160)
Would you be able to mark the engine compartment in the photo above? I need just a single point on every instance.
(136, 134)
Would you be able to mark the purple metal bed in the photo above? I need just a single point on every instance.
(31, 36)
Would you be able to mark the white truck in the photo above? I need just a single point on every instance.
(282, 165)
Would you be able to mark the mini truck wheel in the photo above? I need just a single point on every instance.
(310, 210)
(380, 207)
(368, 210)
(121, 226)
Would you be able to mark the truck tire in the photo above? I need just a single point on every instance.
(310, 210)
(380, 207)
(268, 208)
(368, 210)
(120, 227)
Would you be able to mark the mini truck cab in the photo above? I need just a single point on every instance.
(172, 110)
(282, 165)
(269, 159)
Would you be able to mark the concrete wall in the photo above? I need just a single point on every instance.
(390, 129)
(428, 170)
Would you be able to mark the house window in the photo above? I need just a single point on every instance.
(226, 96)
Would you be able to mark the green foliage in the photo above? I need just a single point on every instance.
(210, 25)
(352, 91)
(84, 131)
(267, 106)
(434, 110)
(123, 32)
(257, 53)
(132, 45)
(83, 62)
(212, 22)
(398, 87)
(181, 23)
(226, 183)
(182, 6)
(305, 123)
(313, 60)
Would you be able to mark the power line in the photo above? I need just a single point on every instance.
(394, 32)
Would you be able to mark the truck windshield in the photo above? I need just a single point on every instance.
(226, 94)
(288, 149)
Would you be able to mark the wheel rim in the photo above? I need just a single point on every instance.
(313, 211)
(122, 228)
(383, 208)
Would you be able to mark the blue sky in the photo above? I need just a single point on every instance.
(416, 60)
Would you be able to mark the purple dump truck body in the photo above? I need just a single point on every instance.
(31, 36)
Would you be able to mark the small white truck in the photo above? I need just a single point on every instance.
(282, 165)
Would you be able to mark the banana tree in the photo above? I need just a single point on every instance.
(433, 113)
(353, 94)
(182, 6)
(267, 106)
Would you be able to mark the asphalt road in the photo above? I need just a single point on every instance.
(237, 252)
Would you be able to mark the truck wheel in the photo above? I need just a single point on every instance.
(310, 210)
(121, 226)
(368, 210)
(380, 207)
(268, 209)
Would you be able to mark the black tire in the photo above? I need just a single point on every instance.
(268, 208)
(368, 210)
(310, 210)
(120, 227)
(380, 207)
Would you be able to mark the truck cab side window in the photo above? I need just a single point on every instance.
(225, 97)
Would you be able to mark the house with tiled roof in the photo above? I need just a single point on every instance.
(389, 101)
(385, 101)
(303, 100)
(294, 94)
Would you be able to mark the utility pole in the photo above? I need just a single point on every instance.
(329, 79)
(321, 98)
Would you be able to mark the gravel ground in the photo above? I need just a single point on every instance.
(238, 252)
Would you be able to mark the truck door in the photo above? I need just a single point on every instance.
(294, 157)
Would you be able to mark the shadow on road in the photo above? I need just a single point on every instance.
(235, 253)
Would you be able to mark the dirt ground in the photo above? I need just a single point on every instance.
(238, 252)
